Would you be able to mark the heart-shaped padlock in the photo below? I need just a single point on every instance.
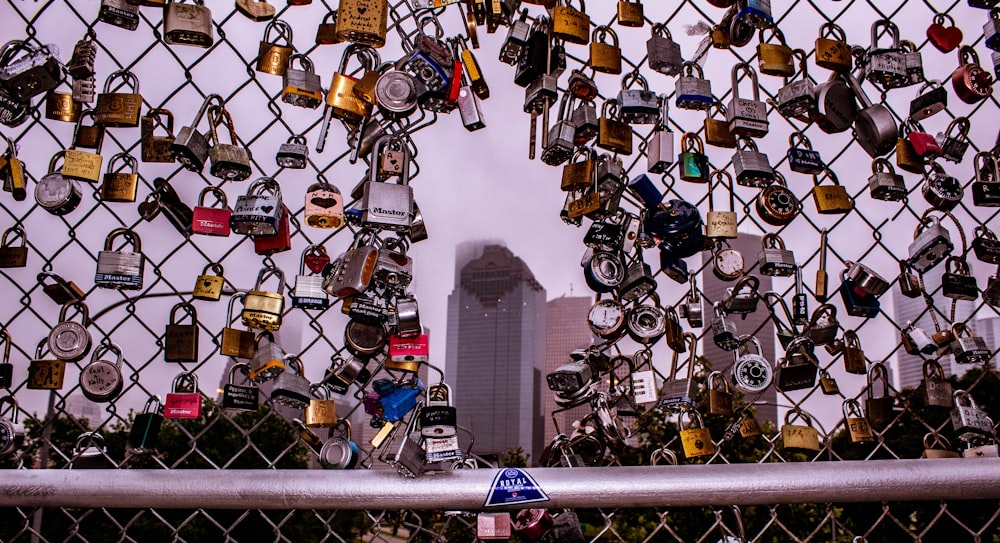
(944, 38)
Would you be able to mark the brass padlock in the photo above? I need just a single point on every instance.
(156, 148)
(717, 132)
(45, 374)
(79, 164)
(321, 411)
(833, 53)
(630, 13)
(721, 224)
(605, 57)
(234, 342)
(613, 134)
(570, 24)
(180, 343)
(60, 106)
(209, 287)
(774, 58)
(695, 437)
(857, 424)
(854, 356)
(720, 399)
(937, 446)
(11, 256)
(263, 309)
(831, 199)
(798, 437)
(119, 109)
(362, 21)
(879, 408)
(272, 58)
(119, 186)
(326, 32)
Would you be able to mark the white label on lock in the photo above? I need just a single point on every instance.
(644, 386)
(438, 449)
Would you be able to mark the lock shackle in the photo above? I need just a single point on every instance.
(260, 336)
(128, 79)
(799, 413)
(691, 140)
(852, 410)
(963, 398)
(186, 382)
(960, 329)
(935, 440)
(664, 453)
(610, 109)
(78, 305)
(188, 308)
(129, 236)
(383, 143)
(933, 367)
(282, 30)
(882, 165)
(967, 55)
(5, 337)
(155, 114)
(690, 68)
(265, 184)
(803, 345)
(889, 28)
(18, 232)
(40, 347)
(721, 176)
(10, 399)
(634, 77)
(773, 299)
(79, 124)
(772, 240)
(293, 361)
(878, 373)
(316, 387)
(150, 403)
(218, 115)
(660, 30)
(127, 159)
(89, 438)
(980, 165)
(270, 270)
(715, 379)
(219, 194)
(798, 138)
(239, 367)
(209, 100)
(957, 265)
(304, 62)
(824, 309)
(107, 347)
(602, 31)
(694, 419)
(740, 70)
(640, 358)
(316, 249)
(238, 295)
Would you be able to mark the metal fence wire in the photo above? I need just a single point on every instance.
(889, 235)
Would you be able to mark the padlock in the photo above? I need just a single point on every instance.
(605, 57)
(570, 24)
(585, 122)
(407, 353)
(856, 423)
(798, 98)
(272, 57)
(495, 526)
(721, 224)
(119, 109)
(184, 400)
(831, 199)
(986, 187)
(90, 452)
(717, 131)
(352, 272)
(268, 360)
(308, 292)
(774, 58)
(720, 399)
(561, 136)
(207, 286)
(263, 309)
(663, 53)
(6, 368)
(322, 410)
(724, 330)
(857, 301)
(695, 437)
(932, 98)
(187, 24)
(874, 127)
(280, 242)
(906, 156)
(693, 161)
(971, 423)
(953, 145)
(614, 134)
(190, 147)
(638, 106)
(120, 186)
(164, 198)
(941, 190)
(986, 245)
(742, 298)
(917, 341)
(752, 373)
(339, 451)
(11, 256)
(854, 356)
(647, 323)
(756, 13)
(747, 117)
(827, 384)
(388, 206)
(240, 397)
(937, 389)
(84, 90)
(258, 11)
(774, 259)
(324, 206)
(145, 433)
(937, 446)
(692, 89)
(79, 164)
(913, 62)
(971, 82)
(886, 65)
(326, 32)
(957, 282)
(823, 326)
(60, 290)
(301, 86)
(798, 368)
(991, 294)
(60, 106)
(234, 342)
(293, 154)
(229, 161)
(12, 172)
(923, 143)
(394, 270)
(36, 72)
(535, 57)
(81, 62)
(931, 244)
(752, 168)
(728, 264)
(362, 21)
(291, 388)
(799, 437)
(211, 221)
(991, 30)
(630, 13)
(100, 380)
(121, 269)
(180, 342)
(438, 416)
(11, 431)
(969, 348)
(260, 210)
(885, 184)
(879, 408)
(776, 204)
(802, 158)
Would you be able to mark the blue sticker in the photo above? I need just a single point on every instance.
(512, 485)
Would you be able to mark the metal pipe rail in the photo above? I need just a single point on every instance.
(613, 487)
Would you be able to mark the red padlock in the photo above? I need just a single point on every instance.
(184, 400)
(278, 243)
(211, 221)
(316, 258)
(925, 144)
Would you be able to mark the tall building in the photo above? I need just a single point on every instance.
(758, 323)
(566, 331)
(496, 352)
(909, 368)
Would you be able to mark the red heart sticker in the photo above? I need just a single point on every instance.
(317, 261)
(945, 38)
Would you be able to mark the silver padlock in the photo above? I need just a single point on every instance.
(291, 388)
(693, 307)
(937, 389)
(660, 146)
(585, 121)
(561, 136)
(823, 325)
(120, 270)
(752, 373)
(101, 380)
(931, 244)
(293, 154)
(797, 98)
(692, 89)
(352, 272)
(70, 340)
(394, 269)
(885, 184)
(968, 347)
(230, 161)
(724, 330)
(746, 117)
(919, 340)
(190, 147)
(268, 359)
(301, 86)
(259, 211)
(752, 167)
(886, 65)
(388, 206)
(663, 53)
(11, 431)
(971, 423)
(36, 72)
(308, 292)
(742, 298)
(470, 108)
(774, 259)
(638, 106)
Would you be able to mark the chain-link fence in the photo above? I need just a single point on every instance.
(873, 223)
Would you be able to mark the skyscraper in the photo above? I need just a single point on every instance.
(566, 331)
(757, 323)
(496, 352)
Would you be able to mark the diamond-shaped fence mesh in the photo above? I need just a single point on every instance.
(874, 223)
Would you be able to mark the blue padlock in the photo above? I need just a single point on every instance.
(857, 302)
(401, 401)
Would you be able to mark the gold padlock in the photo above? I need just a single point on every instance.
(119, 186)
(854, 356)
(857, 424)
(341, 100)
(833, 53)
(937, 446)
(119, 109)
(605, 57)
(831, 199)
(717, 132)
(907, 158)
(60, 106)
(235, 342)
(208, 287)
(79, 164)
(631, 14)
(613, 134)
(272, 58)
(720, 399)
(263, 309)
(798, 437)
(774, 58)
(749, 427)
(45, 374)
(571, 24)
(321, 412)
(695, 437)
(579, 175)
(362, 21)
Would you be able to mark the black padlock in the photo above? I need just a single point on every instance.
(958, 283)
(145, 433)
(857, 302)
(798, 369)
(240, 397)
